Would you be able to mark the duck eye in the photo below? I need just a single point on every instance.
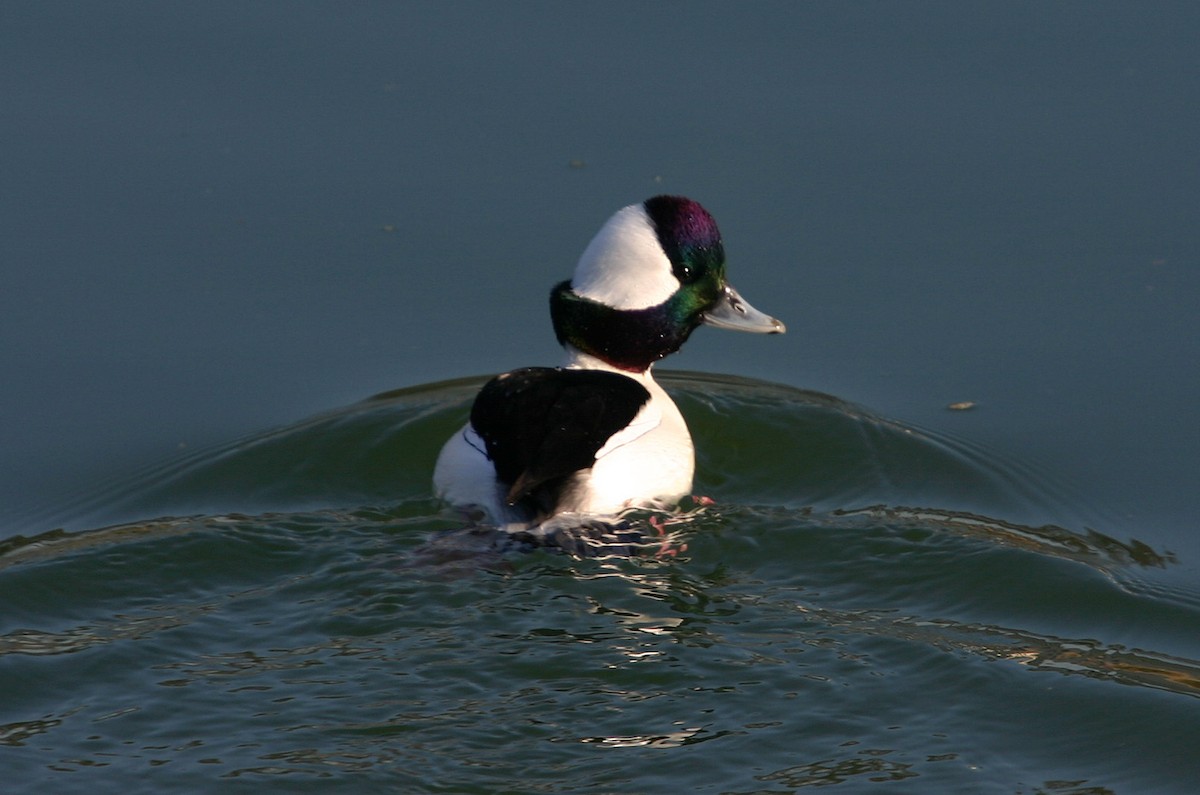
(686, 273)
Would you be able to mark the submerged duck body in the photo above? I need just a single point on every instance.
(598, 435)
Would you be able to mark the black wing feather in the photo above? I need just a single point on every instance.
(542, 424)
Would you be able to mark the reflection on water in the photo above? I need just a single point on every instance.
(871, 763)
(685, 597)
(1088, 546)
(1083, 657)
(806, 627)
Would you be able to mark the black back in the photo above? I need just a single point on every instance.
(543, 424)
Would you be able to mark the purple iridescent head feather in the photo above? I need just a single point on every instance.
(688, 235)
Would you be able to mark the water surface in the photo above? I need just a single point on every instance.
(223, 225)
(337, 629)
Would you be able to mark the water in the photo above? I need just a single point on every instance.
(805, 629)
(224, 225)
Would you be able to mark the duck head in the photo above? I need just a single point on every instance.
(652, 274)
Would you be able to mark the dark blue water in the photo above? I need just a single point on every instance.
(224, 225)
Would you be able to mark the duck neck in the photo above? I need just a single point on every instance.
(575, 359)
(629, 340)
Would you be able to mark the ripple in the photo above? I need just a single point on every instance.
(865, 602)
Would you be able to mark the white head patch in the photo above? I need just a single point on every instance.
(624, 266)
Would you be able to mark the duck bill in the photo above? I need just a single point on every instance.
(733, 312)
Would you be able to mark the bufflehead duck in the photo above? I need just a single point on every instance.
(598, 435)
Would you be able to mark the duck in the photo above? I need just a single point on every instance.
(597, 436)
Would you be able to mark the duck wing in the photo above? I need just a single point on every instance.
(542, 424)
